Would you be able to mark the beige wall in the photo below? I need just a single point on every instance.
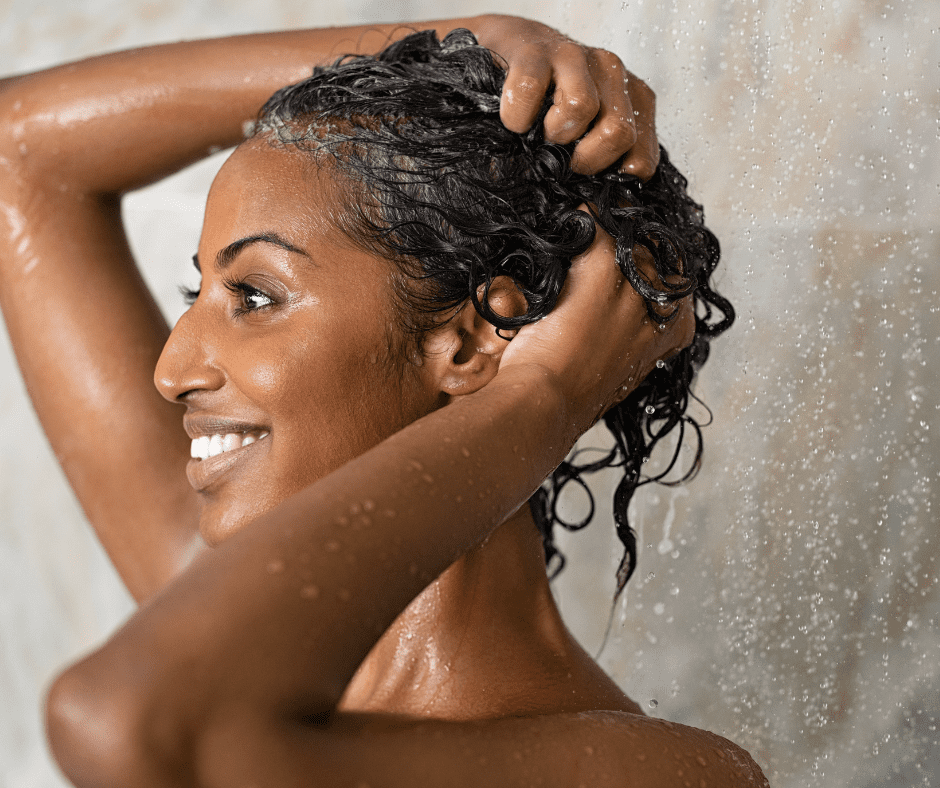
(788, 596)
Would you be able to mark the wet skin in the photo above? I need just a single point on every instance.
(224, 652)
(304, 351)
(294, 338)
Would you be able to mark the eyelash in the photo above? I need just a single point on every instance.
(238, 288)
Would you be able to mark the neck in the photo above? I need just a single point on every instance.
(471, 641)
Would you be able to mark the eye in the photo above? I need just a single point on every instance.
(254, 299)
(250, 298)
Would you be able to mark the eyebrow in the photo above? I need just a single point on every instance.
(226, 256)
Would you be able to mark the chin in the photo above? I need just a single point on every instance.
(217, 526)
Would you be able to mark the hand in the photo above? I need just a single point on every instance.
(599, 343)
(591, 86)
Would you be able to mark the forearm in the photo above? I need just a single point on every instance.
(116, 122)
(349, 553)
(278, 618)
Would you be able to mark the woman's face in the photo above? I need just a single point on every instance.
(283, 361)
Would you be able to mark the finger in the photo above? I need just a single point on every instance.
(575, 102)
(614, 132)
(524, 91)
(594, 274)
(665, 342)
(682, 327)
(643, 157)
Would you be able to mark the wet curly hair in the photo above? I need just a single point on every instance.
(433, 181)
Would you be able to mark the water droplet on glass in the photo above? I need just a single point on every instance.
(653, 703)
(660, 364)
(650, 410)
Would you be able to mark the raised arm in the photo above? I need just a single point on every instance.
(231, 676)
(86, 331)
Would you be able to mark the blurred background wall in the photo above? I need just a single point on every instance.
(788, 597)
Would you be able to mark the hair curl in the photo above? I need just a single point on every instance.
(434, 182)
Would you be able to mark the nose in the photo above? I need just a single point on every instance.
(188, 362)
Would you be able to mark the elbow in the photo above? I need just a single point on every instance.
(103, 731)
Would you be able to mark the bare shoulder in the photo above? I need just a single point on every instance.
(599, 749)
(623, 750)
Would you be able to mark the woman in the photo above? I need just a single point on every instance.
(376, 610)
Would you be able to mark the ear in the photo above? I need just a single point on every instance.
(462, 355)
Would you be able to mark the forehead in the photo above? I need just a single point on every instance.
(263, 191)
(261, 187)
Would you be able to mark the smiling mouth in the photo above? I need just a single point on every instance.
(214, 455)
(208, 446)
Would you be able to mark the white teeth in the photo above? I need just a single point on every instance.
(211, 446)
(200, 448)
(215, 445)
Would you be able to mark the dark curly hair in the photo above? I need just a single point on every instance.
(434, 182)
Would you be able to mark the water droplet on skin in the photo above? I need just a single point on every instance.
(465, 451)
(310, 592)
(355, 509)
(701, 760)
(654, 703)
(640, 757)
(589, 750)
(343, 594)
(389, 513)
(332, 546)
(428, 478)
(275, 567)
(368, 505)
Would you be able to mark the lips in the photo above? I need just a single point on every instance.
(214, 455)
